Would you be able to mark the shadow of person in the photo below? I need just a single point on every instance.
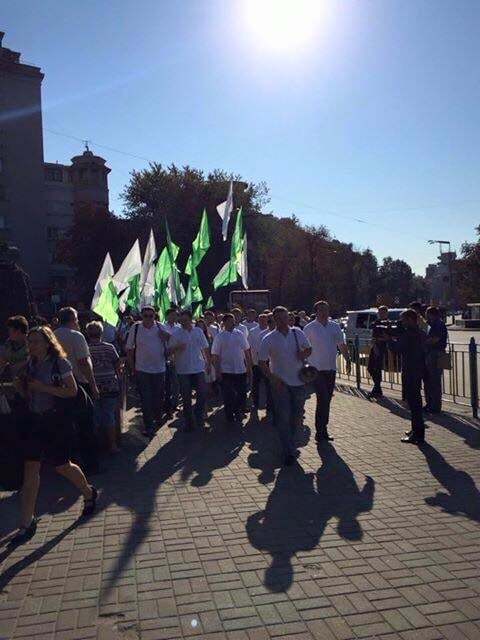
(463, 496)
(458, 425)
(299, 508)
(265, 449)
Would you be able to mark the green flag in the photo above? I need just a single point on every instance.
(228, 274)
(209, 304)
(133, 296)
(194, 293)
(198, 312)
(164, 265)
(107, 305)
(200, 245)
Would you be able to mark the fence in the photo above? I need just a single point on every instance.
(459, 384)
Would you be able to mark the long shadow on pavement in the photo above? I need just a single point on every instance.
(299, 508)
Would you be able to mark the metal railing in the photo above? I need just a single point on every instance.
(459, 383)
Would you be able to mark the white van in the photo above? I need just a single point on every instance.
(359, 323)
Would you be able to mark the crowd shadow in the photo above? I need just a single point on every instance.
(299, 508)
(463, 496)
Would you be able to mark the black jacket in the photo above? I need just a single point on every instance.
(411, 346)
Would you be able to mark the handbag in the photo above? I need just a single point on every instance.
(308, 373)
(444, 360)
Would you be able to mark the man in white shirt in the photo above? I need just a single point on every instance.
(251, 321)
(190, 348)
(281, 356)
(212, 326)
(171, 381)
(238, 315)
(233, 364)
(146, 346)
(325, 337)
(255, 337)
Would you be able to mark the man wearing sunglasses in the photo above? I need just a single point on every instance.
(146, 359)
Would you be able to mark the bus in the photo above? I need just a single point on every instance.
(258, 299)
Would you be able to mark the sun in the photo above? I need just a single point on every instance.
(284, 24)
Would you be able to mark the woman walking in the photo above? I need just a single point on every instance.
(47, 386)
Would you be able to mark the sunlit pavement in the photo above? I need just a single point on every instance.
(202, 534)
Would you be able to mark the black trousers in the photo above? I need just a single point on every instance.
(234, 391)
(257, 378)
(83, 421)
(324, 385)
(413, 395)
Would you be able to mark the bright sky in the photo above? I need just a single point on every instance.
(349, 110)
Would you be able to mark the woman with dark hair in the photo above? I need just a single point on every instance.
(47, 384)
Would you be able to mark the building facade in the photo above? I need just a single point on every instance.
(37, 198)
(439, 279)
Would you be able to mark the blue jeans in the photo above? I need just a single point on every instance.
(188, 382)
(104, 412)
(288, 405)
(151, 387)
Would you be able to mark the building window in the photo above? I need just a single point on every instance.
(54, 175)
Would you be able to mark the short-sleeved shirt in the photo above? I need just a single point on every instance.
(324, 340)
(189, 360)
(255, 338)
(76, 348)
(230, 347)
(46, 372)
(243, 329)
(282, 352)
(104, 359)
(250, 325)
(149, 347)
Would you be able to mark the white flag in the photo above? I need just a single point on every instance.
(131, 267)
(243, 265)
(147, 277)
(224, 211)
(106, 272)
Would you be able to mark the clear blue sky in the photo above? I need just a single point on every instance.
(377, 117)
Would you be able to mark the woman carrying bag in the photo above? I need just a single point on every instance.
(47, 385)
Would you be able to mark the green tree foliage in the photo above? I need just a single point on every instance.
(467, 272)
(395, 280)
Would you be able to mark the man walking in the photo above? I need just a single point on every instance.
(146, 359)
(251, 321)
(376, 359)
(436, 344)
(192, 357)
(78, 354)
(281, 356)
(233, 364)
(171, 381)
(326, 337)
(255, 337)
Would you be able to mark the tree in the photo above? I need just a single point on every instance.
(395, 281)
(467, 272)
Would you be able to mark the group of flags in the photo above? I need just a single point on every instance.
(155, 280)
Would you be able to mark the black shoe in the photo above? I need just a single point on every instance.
(375, 393)
(409, 433)
(411, 439)
(24, 534)
(289, 460)
(90, 504)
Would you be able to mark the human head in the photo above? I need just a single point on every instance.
(129, 319)
(148, 316)
(263, 321)
(68, 317)
(209, 317)
(409, 318)
(237, 314)
(416, 306)
(382, 312)
(172, 315)
(322, 310)
(42, 342)
(251, 315)
(280, 315)
(270, 321)
(228, 321)
(200, 322)
(432, 314)
(94, 330)
(291, 318)
(185, 318)
(17, 327)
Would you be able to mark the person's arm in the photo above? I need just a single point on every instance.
(86, 369)
(304, 346)
(216, 350)
(343, 348)
(248, 362)
(67, 390)
(208, 359)
(130, 348)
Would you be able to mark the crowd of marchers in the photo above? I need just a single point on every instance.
(62, 383)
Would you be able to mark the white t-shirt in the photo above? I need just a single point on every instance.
(213, 329)
(170, 328)
(189, 360)
(243, 329)
(230, 347)
(324, 340)
(281, 350)
(76, 347)
(150, 349)
(255, 338)
(250, 325)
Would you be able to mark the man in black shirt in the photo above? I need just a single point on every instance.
(377, 354)
(437, 337)
(411, 346)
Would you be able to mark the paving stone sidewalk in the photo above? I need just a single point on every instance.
(203, 535)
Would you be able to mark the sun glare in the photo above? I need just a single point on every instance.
(284, 24)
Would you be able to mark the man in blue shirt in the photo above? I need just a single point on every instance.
(436, 344)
